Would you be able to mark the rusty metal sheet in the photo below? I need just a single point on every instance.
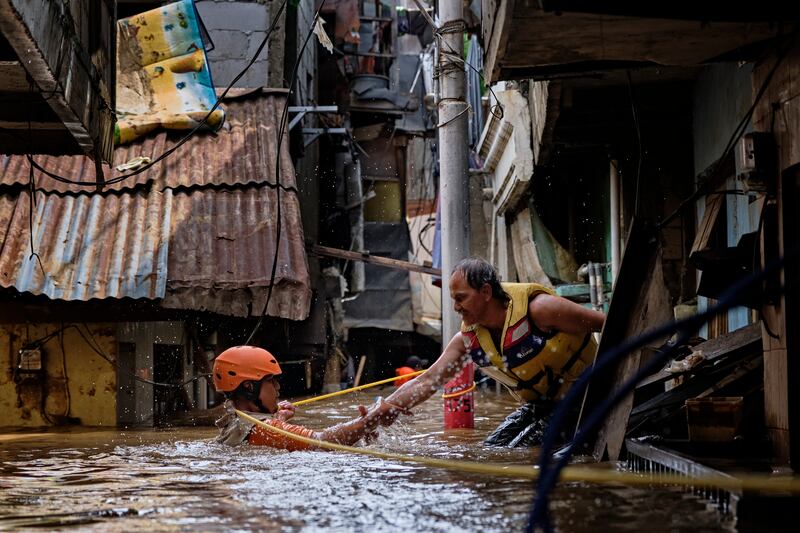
(207, 224)
(242, 153)
(221, 252)
(90, 246)
(215, 246)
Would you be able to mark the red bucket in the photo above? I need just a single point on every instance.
(459, 404)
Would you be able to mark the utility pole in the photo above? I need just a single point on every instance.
(453, 153)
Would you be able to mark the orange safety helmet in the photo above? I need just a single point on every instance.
(243, 363)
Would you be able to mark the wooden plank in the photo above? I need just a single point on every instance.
(36, 126)
(652, 309)
(640, 301)
(706, 227)
(785, 400)
(13, 77)
(547, 39)
(42, 35)
(496, 46)
(366, 257)
(747, 338)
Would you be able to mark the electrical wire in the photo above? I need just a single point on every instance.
(737, 133)
(64, 369)
(640, 151)
(186, 137)
(278, 224)
(95, 346)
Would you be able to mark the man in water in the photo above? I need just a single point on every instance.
(413, 364)
(520, 334)
(248, 377)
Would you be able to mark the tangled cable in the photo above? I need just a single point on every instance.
(550, 468)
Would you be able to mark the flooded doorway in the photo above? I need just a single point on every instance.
(168, 369)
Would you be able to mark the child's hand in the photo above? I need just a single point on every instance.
(285, 411)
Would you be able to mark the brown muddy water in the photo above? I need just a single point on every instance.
(181, 480)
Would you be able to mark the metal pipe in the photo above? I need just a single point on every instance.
(597, 273)
(592, 287)
(613, 193)
(353, 186)
(453, 153)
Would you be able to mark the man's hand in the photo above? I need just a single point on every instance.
(285, 411)
(370, 425)
(384, 413)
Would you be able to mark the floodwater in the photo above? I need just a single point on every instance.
(180, 479)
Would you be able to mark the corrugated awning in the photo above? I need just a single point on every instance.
(90, 246)
(242, 153)
(197, 232)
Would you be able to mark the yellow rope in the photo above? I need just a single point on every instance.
(459, 393)
(360, 387)
(571, 473)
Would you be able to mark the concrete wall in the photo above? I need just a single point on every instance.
(91, 381)
(237, 28)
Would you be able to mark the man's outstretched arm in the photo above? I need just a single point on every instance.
(419, 389)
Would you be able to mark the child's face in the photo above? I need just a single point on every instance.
(269, 393)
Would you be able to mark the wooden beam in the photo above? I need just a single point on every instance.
(366, 257)
(641, 300)
(41, 36)
(36, 126)
(744, 339)
(498, 41)
(13, 77)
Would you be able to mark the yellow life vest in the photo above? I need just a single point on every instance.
(534, 365)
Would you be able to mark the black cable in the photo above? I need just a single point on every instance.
(32, 184)
(284, 116)
(64, 367)
(640, 151)
(186, 137)
(95, 346)
(549, 473)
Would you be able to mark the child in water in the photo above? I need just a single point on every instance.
(248, 377)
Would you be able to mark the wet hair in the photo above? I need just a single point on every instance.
(478, 271)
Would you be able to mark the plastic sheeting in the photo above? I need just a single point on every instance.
(386, 300)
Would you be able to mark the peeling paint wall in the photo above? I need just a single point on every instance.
(90, 380)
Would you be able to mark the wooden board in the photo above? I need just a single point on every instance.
(747, 338)
(640, 302)
(705, 230)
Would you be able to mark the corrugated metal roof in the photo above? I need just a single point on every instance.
(243, 152)
(206, 250)
(222, 248)
(191, 240)
(90, 246)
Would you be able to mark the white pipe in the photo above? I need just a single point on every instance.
(355, 197)
(613, 193)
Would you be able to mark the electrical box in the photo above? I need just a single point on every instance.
(31, 363)
(756, 161)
